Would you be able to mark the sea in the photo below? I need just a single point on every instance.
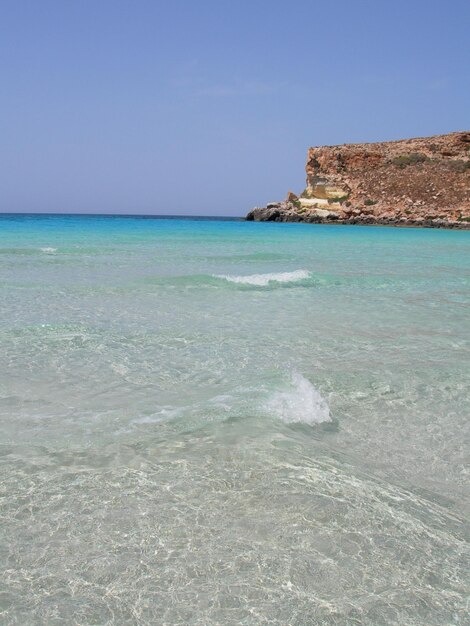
(211, 421)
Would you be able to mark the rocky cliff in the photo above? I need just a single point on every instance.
(424, 181)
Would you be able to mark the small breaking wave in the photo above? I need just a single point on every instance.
(48, 250)
(262, 280)
(302, 403)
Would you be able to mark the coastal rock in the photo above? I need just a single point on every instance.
(419, 182)
(264, 214)
(291, 197)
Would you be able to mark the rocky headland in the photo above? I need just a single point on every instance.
(412, 182)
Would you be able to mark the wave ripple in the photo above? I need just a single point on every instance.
(302, 403)
(262, 280)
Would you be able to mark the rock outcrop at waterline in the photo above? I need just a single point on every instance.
(412, 182)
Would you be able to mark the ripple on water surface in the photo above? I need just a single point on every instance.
(218, 527)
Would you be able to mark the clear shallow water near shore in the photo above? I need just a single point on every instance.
(223, 422)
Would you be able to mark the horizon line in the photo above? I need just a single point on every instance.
(149, 215)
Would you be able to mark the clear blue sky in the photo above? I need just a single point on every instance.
(208, 106)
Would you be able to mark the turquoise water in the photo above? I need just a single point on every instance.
(226, 422)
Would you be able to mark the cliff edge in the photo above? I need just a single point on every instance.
(415, 182)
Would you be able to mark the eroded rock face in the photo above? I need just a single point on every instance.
(424, 181)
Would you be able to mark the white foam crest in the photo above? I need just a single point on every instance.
(48, 250)
(262, 280)
(302, 403)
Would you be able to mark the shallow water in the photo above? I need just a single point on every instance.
(224, 422)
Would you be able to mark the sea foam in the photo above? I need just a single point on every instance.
(301, 403)
(48, 250)
(262, 280)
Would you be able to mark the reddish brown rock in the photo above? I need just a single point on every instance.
(291, 197)
(424, 181)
